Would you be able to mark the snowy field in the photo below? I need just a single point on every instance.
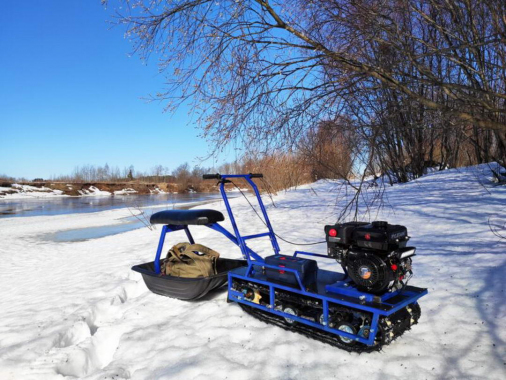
(76, 309)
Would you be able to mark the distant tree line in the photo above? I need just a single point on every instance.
(280, 171)
(106, 173)
(339, 149)
(6, 178)
(97, 173)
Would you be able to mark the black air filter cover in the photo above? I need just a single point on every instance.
(381, 236)
(344, 232)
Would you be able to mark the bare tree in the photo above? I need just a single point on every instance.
(421, 82)
(263, 69)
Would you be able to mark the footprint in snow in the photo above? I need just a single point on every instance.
(90, 344)
(74, 335)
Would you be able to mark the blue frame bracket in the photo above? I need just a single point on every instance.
(165, 230)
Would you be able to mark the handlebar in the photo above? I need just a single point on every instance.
(211, 176)
(219, 176)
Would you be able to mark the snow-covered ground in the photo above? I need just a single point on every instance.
(76, 309)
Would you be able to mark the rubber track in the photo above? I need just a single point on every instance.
(317, 334)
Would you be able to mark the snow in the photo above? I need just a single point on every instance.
(157, 190)
(18, 191)
(93, 191)
(76, 309)
(237, 190)
(126, 191)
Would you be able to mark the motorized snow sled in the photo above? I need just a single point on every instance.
(361, 310)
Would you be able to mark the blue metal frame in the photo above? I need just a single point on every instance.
(334, 293)
(410, 297)
(242, 239)
(236, 238)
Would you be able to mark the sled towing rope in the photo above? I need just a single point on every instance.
(361, 310)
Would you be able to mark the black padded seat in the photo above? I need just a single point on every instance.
(186, 217)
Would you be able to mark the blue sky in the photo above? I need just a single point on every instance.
(70, 95)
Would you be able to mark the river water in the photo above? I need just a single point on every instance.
(70, 205)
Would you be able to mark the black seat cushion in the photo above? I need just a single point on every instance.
(187, 217)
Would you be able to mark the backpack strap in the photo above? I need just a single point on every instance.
(201, 248)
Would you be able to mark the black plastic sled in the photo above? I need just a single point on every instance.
(186, 288)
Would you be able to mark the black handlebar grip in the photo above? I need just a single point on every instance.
(211, 176)
(258, 175)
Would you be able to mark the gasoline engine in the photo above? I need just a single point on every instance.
(374, 255)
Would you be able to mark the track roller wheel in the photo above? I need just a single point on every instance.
(364, 332)
(249, 294)
(320, 318)
(415, 311)
(383, 337)
(348, 328)
(379, 340)
(292, 311)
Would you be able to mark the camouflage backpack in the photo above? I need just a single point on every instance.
(190, 261)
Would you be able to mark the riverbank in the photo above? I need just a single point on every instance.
(59, 189)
